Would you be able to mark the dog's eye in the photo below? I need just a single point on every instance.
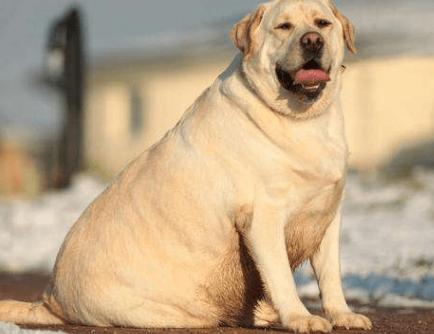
(321, 23)
(284, 26)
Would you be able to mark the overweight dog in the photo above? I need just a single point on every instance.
(206, 227)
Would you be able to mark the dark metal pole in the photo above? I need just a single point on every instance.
(66, 39)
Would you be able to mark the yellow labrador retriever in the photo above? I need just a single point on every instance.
(206, 227)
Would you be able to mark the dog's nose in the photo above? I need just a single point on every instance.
(312, 42)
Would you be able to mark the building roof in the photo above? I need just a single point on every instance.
(389, 28)
(392, 27)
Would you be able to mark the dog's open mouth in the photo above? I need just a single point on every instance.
(307, 82)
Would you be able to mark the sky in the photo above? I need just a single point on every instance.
(112, 26)
(385, 27)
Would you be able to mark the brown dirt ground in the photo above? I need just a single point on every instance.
(28, 287)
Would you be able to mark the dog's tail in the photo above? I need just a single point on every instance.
(27, 313)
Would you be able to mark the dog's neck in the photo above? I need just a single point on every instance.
(236, 88)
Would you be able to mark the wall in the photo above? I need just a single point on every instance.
(166, 94)
(389, 105)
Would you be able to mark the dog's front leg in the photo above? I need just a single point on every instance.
(326, 264)
(266, 241)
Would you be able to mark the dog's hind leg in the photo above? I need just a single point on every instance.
(265, 315)
(152, 313)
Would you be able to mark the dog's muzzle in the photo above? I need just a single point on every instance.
(306, 82)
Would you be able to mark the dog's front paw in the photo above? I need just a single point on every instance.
(308, 324)
(349, 320)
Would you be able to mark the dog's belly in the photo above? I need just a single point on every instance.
(304, 236)
(234, 286)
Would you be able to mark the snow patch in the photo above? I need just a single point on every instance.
(32, 231)
(7, 328)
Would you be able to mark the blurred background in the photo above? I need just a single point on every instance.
(85, 86)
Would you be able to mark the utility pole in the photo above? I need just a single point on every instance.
(66, 72)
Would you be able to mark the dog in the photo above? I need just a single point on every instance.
(206, 227)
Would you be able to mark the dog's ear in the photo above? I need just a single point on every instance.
(243, 33)
(349, 31)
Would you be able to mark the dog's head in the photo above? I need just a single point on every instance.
(293, 52)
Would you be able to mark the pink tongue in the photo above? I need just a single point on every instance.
(311, 76)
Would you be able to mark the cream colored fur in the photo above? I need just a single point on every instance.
(203, 228)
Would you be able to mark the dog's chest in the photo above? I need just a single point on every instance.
(315, 196)
(306, 227)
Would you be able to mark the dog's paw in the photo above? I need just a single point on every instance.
(308, 324)
(350, 320)
(265, 315)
